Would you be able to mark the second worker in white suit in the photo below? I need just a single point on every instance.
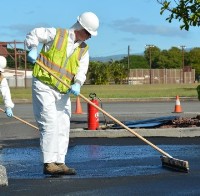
(66, 54)
(5, 89)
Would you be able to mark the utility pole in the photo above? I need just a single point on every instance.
(128, 71)
(183, 62)
(149, 46)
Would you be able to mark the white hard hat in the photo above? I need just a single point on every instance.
(89, 21)
(3, 63)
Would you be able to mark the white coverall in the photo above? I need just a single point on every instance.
(52, 110)
(5, 91)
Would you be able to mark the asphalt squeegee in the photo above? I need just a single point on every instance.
(167, 160)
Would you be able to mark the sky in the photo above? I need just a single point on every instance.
(123, 23)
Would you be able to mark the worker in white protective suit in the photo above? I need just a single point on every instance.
(66, 54)
(4, 89)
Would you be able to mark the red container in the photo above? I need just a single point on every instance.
(93, 116)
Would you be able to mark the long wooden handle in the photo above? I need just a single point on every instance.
(104, 112)
(25, 122)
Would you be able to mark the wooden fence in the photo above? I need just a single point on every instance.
(161, 76)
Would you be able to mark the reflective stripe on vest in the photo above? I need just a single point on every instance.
(61, 39)
(55, 67)
(82, 49)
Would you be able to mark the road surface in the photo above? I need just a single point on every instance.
(105, 166)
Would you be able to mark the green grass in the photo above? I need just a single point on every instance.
(141, 91)
(124, 91)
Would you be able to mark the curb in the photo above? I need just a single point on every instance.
(3, 176)
(109, 133)
(124, 99)
(117, 133)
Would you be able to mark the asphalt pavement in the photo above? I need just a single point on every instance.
(108, 161)
(105, 166)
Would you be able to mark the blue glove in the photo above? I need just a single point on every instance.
(75, 89)
(32, 55)
(9, 112)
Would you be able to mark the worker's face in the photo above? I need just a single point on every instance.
(83, 35)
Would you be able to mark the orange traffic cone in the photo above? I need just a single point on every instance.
(177, 108)
(78, 106)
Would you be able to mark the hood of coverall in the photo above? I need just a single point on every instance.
(3, 63)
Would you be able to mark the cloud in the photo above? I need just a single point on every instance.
(18, 30)
(134, 26)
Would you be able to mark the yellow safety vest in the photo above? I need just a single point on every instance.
(58, 63)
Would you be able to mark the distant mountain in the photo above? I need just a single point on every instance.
(111, 58)
(108, 58)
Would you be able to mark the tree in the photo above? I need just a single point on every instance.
(98, 73)
(136, 62)
(187, 11)
(152, 54)
(174, 56)
(194, 61)
(163, 61)
(119, 72)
